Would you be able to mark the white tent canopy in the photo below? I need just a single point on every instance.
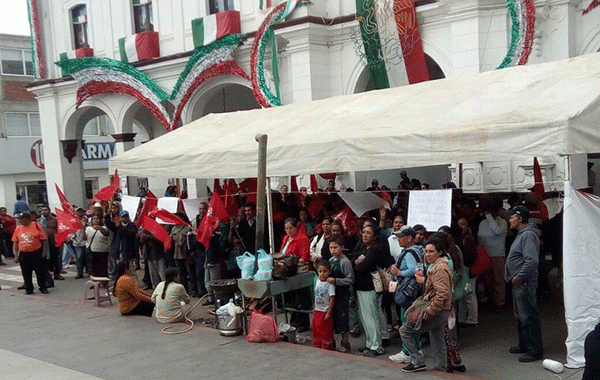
(526, 111)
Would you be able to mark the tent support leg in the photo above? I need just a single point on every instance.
(260, 196)
(270, 217)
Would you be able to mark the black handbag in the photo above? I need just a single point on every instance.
(408, 289)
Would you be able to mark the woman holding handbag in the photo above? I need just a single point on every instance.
(373, 255)
(98, 243)
(430, 311)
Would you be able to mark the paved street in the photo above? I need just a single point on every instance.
(57, 336)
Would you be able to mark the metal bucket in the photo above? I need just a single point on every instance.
(230, 326)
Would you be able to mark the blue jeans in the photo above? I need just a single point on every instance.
(528, 317)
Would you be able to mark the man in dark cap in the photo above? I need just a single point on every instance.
(521, 271)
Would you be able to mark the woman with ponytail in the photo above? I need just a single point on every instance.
(132, 299)
(169, 296)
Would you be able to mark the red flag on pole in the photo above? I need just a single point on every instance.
(156, 230)
(230, 190)
(106, 193)
(216, 212)
(346, 218)
(167, 217)
(67, 224)
(217, 186)
(538, 189)
(116, 182)
(315, 206)
(64, 202)
(250, 184)
(150, 203)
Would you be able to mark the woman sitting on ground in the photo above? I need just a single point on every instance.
(132, 299)
(168, 297)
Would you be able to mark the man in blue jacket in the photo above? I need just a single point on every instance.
(522, 272)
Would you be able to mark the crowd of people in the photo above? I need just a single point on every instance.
(346, 253)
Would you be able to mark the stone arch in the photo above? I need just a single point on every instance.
(75, 120)
(591, 42)
(135, 118)
(236, 93)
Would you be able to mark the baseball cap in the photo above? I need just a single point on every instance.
(124, 213)
(522, 211)
(405, 231)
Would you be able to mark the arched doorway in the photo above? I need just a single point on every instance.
(363, 84)
(227, 97)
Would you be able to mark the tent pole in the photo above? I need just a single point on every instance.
(270, 216)
(260, 195)
(568, 167)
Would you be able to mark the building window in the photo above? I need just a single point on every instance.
(216, 6)
(79, 20)
(16, 62)
(142, 15)
(21, 124)
(34, 193)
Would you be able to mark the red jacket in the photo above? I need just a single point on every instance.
(299, 246)
(8, 224)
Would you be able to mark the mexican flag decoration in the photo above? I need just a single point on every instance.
(139, 47)
(206, 30)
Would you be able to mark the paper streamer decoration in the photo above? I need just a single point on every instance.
(37, 52)
(261, 90)
(522, 15)
(108, 76)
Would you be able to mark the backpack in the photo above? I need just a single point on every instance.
(408, 289)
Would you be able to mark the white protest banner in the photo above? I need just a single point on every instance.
(130, 204)
(360, 203)
(431, 208)
(168, 203)
(191, 206)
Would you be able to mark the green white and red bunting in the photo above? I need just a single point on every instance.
(593, 5)
(206, 30)
(108, 76)
(72, 54)
(37, 53)
(261, 90)
(265, 5)
(139, 47)
(522, 15)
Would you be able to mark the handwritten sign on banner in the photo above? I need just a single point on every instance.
(431, 208)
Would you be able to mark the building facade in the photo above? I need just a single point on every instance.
(318, 55)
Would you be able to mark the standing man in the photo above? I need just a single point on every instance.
(199, 249)
(7, 228)
(20, 206)
(51, 225)
(522, 272)
(29, 242)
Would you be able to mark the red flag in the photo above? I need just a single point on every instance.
(217, 186)
(314, 185)
(116, 182)
(294, 185)
(346, 218)
(315, 206)
(230, 190)
(156, 230)
(215, 213)
(67, 224)
(106, 193)
(538, 188)
(64, 202)
(167, 217)
(250, 184)
(149, 204)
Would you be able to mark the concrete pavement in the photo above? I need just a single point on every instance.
(57, 336)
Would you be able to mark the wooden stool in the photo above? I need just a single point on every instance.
(97, 283)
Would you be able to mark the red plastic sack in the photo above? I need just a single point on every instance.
(262, 328)
(483, 262)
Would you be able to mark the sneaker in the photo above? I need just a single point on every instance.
(414, 368)
(517, 350)
(345, 348)
(527, 358)
(373, 353)
(362, 349)
(458, 368)
(400, 357)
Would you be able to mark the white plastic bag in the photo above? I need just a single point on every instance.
(265, 261)
(263, 275)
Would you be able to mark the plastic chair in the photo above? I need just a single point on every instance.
(95, 284)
